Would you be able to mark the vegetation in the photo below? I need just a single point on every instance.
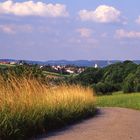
(6, 65)
(120, 100)
(104, 88)
(33, 100)
(123, 76)
(29, 107)
(57, 75)
(23, 71)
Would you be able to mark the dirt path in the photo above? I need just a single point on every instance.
(110, 124)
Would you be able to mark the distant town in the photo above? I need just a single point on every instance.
(64, 69)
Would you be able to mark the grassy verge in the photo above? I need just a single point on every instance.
(120, 100)
(28, 108)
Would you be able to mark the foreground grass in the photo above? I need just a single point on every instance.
(28, 108)
(120, 100)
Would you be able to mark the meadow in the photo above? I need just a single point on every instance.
(131, 100)
(29, 108)
(5, 65)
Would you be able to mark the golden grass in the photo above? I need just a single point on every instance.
(29, 107)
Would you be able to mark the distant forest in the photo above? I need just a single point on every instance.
(121, 76)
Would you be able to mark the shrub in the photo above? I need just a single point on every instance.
(103, 88)
(138, 87)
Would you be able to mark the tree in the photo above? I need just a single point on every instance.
(138, 87)
(103, 88)
(129, 84)
(90, 76)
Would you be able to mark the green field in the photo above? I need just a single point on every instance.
(120, 100)
(6, 65)
(58, 74)
(53, 74)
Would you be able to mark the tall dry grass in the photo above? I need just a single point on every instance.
(28, 107)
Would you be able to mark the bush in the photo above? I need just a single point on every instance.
(104, 88)
(138, 87)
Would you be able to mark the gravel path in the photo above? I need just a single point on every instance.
(110, 124)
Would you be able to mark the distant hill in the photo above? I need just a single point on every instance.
(87, 63)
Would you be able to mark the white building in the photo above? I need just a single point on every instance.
(96, 66)
(70, 71)
(12, 63)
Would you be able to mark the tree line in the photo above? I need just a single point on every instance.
(122, 76)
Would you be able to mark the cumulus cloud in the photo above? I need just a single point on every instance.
(13, 29)
(121, 33)
(138, 20)
(84, 32)
(102, 14)
(31, 8)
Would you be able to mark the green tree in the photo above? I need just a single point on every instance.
(90, 76)
(129, 84)
(138, 87)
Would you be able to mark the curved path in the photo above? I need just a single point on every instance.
(110, 124)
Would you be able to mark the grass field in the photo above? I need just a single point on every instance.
(6, 65)
(52, 73)
(120, 100)
(58, 74)
(28, 108)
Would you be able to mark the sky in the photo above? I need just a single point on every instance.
(72, 30)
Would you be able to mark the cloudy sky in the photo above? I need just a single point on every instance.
(72, 30)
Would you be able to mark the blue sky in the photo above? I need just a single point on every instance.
(72, 30)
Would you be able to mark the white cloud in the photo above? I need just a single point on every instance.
(31, 8)
(7, 29)
(13, 29)
(102, 14)
(84, 32)
(138, 20)
(121, 33)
